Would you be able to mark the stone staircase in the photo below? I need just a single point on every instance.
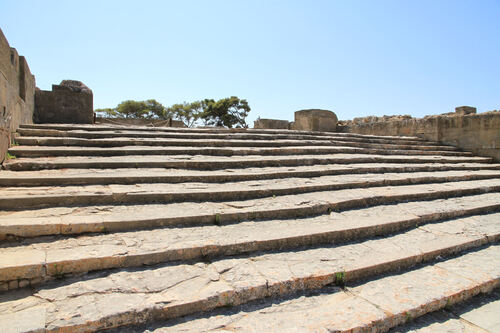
(193, 230)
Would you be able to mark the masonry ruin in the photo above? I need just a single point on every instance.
(17, 91)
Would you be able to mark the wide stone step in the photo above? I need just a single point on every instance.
(223, 162)
(102, 218)
(193, 135)
(476, 315)
(52, 257)
(375, 306)
(121, 142)
(268, 132)
(18, 198)
(131, 176)
(128, 297)
(43, 151)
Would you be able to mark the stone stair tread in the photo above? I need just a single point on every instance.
(97, 218)
(146, 129)
(17, 197)
(125, 249)
(156, 175)
(363, 308)
(36, 151)
(154, 141)
(210, 162)
(135, 296)
(220, 135)
(476, 315)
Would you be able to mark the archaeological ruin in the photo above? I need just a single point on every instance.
(315, 225)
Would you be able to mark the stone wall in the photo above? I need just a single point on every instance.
(478, 133)
(141, 122)
(70, 102)
(315, 120)
(17, 93)
(305, 120)
(271, 124)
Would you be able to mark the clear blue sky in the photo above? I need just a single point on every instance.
(356, 58)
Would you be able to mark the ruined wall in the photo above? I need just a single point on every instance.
(305, 120)
(70, 102)
(271, 124)
(315, 120)
(141, 122)
(17, 93)
(478, 133)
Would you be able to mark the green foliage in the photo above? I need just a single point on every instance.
(217, 219)
(10, 157)
(150, 109)
(340, 279)
(227, 112)
(188, 113)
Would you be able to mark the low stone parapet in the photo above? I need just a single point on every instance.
(478, 133)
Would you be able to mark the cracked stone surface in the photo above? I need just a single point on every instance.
(288, 184)
(356, 308)
(64, 255)
(181, 175)
(101, 301)
(210, 230)
(101, 218)
(221, 162)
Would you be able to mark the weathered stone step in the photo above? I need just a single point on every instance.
(375, 306)
(476, 315)
(269, 132)
(47, 151)
(131, 176)
(18, 198)
(121, 142)
(114, 299)
(193, 135)
(101, 218)
(223, 162)
(52, 257)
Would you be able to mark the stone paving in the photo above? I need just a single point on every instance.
(241, 230)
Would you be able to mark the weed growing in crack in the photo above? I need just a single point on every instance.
(58, 271)
(340, 279)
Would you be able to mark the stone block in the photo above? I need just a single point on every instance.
(461, 110)
(70, 102)
(315, 120)
(271, 124)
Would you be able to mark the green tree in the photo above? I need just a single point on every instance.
(227, 112)
(188, 113)
(137, 109)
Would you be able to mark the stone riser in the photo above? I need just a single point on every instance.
(103, 163)
(54, 178)
(156, 195)
(121, 142)
(24, 151)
